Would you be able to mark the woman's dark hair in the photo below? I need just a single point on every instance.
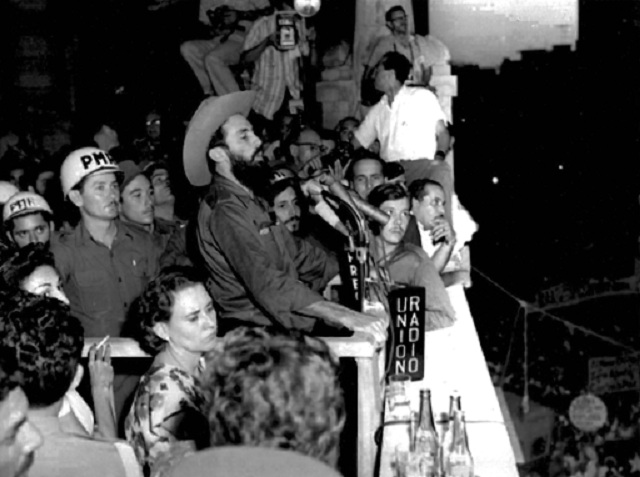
(18, 265)
(46, 342)
(155, 305)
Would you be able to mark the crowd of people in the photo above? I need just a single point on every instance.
(216, 250)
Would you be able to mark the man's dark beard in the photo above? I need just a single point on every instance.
(253, 175)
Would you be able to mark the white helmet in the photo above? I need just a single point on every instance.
(7, 189)
(24, 203)
(83, 162)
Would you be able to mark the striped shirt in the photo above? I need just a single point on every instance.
(275, 70)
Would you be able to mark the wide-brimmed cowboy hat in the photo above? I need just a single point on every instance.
(210, 115)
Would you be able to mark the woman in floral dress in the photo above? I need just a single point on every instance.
(175, 321)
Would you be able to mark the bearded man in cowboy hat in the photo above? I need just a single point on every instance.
(258, 274)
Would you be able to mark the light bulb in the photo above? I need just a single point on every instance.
(306, 8)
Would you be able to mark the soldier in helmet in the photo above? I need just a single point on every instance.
(104, 263)
(27, 218)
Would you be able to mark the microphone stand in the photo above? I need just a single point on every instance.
(357, 252)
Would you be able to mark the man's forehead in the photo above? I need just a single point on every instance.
(310, 136)
(367, 166)
(97, 178)
(237, 123)
(433, 191)
(140, 182)
(286, 194)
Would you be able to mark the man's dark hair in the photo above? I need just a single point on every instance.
(46, 342)
(18, 265)
(384, 192)
(397, 62)
(391, 11)
(393, 170)
(279, 187)
(155, 305)
(417, 188)
(270, 388)
(360, 155)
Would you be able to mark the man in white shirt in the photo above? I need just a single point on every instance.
(410, 125)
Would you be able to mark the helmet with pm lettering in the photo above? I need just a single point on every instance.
(85, 162)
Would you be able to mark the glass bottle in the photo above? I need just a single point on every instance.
(458, 461)
(426, 443)
(447, 435)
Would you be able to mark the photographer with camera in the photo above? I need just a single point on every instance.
(210, 59)
(275, 45)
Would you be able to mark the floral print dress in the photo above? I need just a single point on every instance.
(166, 413)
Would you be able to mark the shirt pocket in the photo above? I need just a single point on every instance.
(96, 291)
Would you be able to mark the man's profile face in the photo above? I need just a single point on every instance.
(431, 208)
(19, 438)
(287, 209)
(241, 140)
(161, 182)
(367, 173)
(31, 228)
(307, 148)
(347, 129)
(398, 23)
(137, 201)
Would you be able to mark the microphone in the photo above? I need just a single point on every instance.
(363, 206)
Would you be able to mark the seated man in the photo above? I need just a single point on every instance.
(365, 172)
(308, 151)
(210, 59)
(19, 438)
(27, 218)
(300, 217)
(46, 342)
(437, 236)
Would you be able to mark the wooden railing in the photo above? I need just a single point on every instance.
(369, 361)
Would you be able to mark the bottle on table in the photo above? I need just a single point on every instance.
(456, 456)
(425, 440)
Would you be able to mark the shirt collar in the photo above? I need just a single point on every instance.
(226, 183)
(83, 237)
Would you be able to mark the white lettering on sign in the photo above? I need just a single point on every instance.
(407, 309)
(614, 374)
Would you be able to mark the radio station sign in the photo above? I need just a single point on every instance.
(614, 374)
(406, 345)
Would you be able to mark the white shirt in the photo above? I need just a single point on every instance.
(407, 128)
